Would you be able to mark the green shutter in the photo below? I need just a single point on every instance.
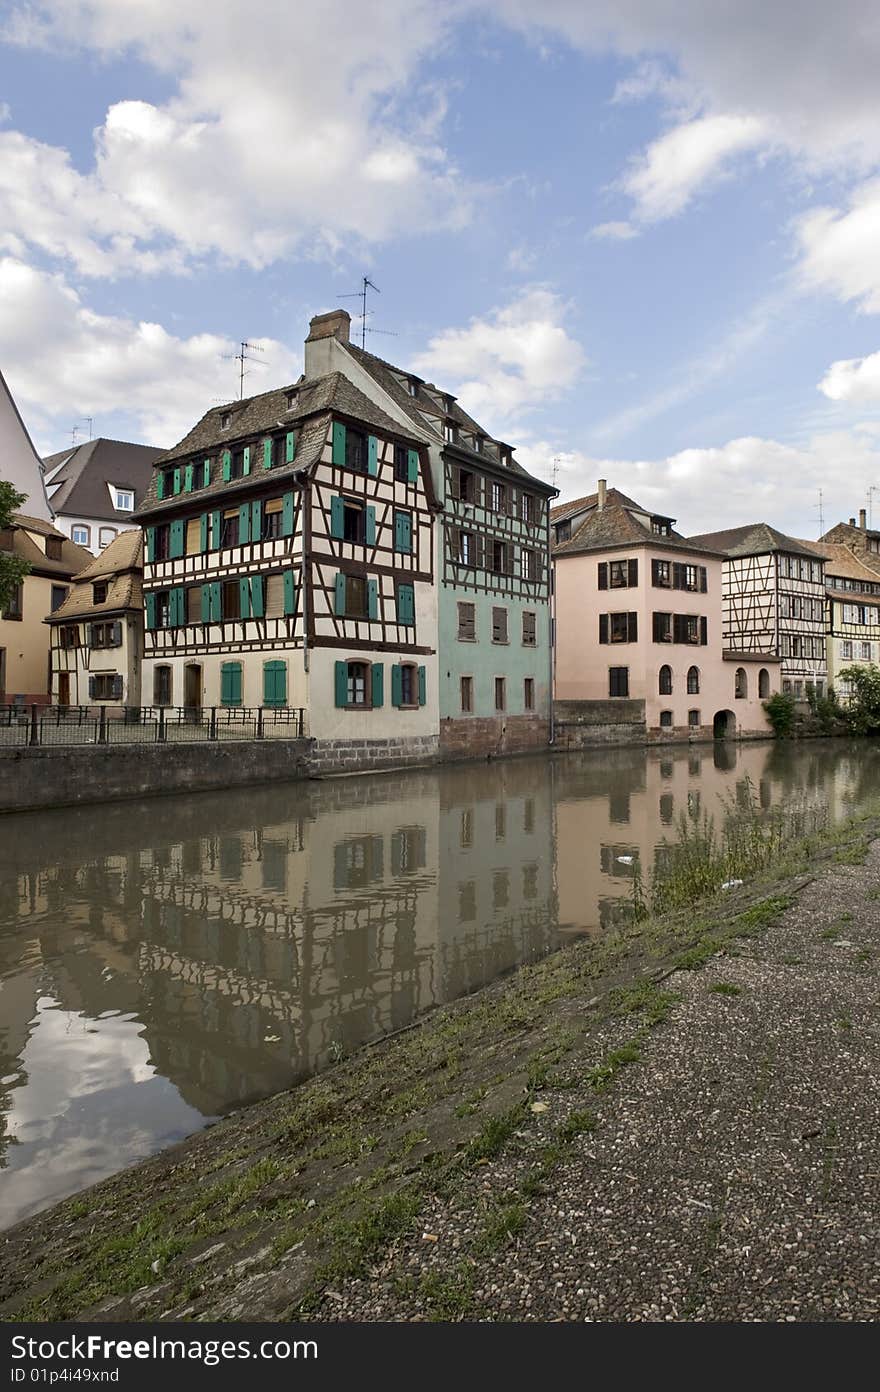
(203, 531)
(341, 683)
(150, 606)
(216, 530)
(370, 528)
(287, 515)
(423, 686)
(160, 484)
(188, 475)
(337, 518)
(230, 684)
(244, 591)
(176, 539)
(206, 604)
(206, 473)
(244, 524)
(227, 465)
(373, 599)
(377, 681)
(256, 520)
(246, 461)
(402, 531)
(177, 480)
(267, 454)
(338, 443)
(151, 544)
(289, 592)
(274, 684)
(406, 604)
(290, 447)
(412, 465)
(396, 685)
(372, 455)
(216, 602)
(257, 609)
(181, 607)
(340, 594)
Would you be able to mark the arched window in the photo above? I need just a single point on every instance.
(665, 681)
(693, 681)
(763, 683)
(741, 684)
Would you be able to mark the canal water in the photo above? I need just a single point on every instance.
(165, 961)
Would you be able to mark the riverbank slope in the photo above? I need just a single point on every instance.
(677, 1120)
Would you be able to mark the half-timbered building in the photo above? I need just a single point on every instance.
(97, 634)
(290, 565)
(773, 605)
(492, 561)
(852, 611)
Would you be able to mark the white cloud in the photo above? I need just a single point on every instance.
(663, 181)
(516, 359)
(614, 231)
(839, 250)
(853, 379)
(66, 362)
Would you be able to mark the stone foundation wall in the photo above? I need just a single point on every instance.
(585, 724)
(480, 736)
(360, 756)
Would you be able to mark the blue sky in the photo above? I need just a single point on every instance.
(639, 239)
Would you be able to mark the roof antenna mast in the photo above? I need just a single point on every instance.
(361, 295)
(241, 357)
(821, 512)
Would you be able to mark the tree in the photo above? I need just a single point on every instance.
(12, 568)
(863, 705)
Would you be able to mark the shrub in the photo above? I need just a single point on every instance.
(863, 707)
(781, 713)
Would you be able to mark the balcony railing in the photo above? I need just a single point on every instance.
(110, 724)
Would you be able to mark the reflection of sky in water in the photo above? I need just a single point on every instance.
(93, 1104)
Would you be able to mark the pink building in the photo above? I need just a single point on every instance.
(639, 617)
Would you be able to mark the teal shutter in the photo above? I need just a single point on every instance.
(216, 602)
(423, 686)
(257, 596)
(206, 604)
(289, 592)
(230, 684)
(373, 599)
(150, 606)
(406, 609)
(370, 528)
(402, 531)
(177, 480)
(206, 473)
(151, 544)
(244, 524)
(341, 683)
(176, 539)
(160, 485)
(412, 466)
(244, 591)
(340, 594)
(267, 454)
(227, 465)
(256, 520)
(396, 685)
(181, 606)
(377, 680)
(338, 443)
(287, 515)
(372, 455)
(290, 447)
(188, 475)
(203, 531)
(216, 530)
(246, 461)
(337, 518)
(274, 683)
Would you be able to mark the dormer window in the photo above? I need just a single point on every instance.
(478, 444)
(660, 527)
(99, 592)
(412, 386)
(124, 499)
(291, 400)
(225, 419)
(53, 548)
(449, 432)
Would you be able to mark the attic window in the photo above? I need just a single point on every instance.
(124, 500)
(99, 592)
(478, 444)
(449, 432)
(412, 386)
(225, 419)
(291, 400)
(659, 526)
(53, 548)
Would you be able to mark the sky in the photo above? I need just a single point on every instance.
(639, 239)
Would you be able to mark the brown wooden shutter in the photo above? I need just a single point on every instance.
(632, 628)
(603, 575)
(603, 628)
(633, 575)
(704, 631)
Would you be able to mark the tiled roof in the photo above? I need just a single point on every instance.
(87, 470)
(615, 525)
(125, 552)
(842, 561)
(565, 510)
(73, 557)
(121, 565)
(754, 539)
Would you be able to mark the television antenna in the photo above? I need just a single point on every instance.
(819, 508)
(241, 357)
(555, 470)
(77, 428)
(361, 295)
(874, 488)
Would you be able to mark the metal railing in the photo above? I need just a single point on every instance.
(33, 725)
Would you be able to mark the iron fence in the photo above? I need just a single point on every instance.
(67, 725)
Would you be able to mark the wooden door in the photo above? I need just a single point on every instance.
(192, 686)
(64, 688)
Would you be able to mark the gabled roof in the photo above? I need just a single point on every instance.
(73, 557)
(842, 561)
(754, 539)
(121, 565)
(563, 511)
(616, 525)
(88, 469)
(21, 464)
(125, 552)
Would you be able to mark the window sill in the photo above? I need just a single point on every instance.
(359, 707)
(462, 639)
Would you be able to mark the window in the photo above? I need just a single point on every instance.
(356, 684)
(500, 693)
(529, 693)
(409, 685)
(124, 500)
(499, 557)
(54, 548)
(622, 574)
(866, 652)
(688, 628)
(498, 496)
(449, 432)
(466, 687)
(99, 592)
(664, 684)
(229, 529)
(690, 577)
(563, 531)
(467, 486)
(740, 684)
(353, 522)
(161, 542)
(660, 526)
(231, 599)
(467, 623)
(846, 649)
(662, 627)
(162, 686)
(106, 686)
(529, 562)
(618, 628)
(59, 594)
(225, 419)
(529, 634)
(105, 635)
(763, 683)
(356, 597)
(401, 463)
(466, 550)
(618, 681)
(272, 520)
(15, 604)
(230, 684)
(693, 681)
(693, 718)
(526, 508)
(666, 720)
(499, 626)
(355, 450)
(81, 535)
(68, 636)
(661, 574)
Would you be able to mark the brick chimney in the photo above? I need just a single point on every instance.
(325, 332)
(863, 519)
(601, 494)
(852, 521)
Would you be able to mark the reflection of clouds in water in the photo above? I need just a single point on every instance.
(94, 1105)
